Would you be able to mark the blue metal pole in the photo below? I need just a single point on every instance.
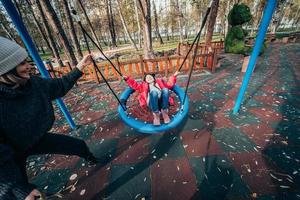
(11, 10)
(257, 47)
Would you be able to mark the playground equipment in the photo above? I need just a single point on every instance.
(136, 124)
(11, 10)
(269, 10)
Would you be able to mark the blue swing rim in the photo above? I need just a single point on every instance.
(149, 128)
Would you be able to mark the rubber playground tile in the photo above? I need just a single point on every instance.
(217, 179)
(132, 150)
(290, 130)
(108, 130)
(205, 105)
(257, 170)
(81, 107)
(36, 164)
(128, 182)
(197, 96)
(250, 103)
(61, 162)
(104, 149)
(86, 183)
(172, 179)
(228, 106)
(63, 129)
(166, 145)
(280, 196)
(266, 114)
(262, 134)
(200, 143)
(51, 181)
(194, 121)
(269, 100)
(91, 116)
(233, 140)
(222, 120)
(84, 131)
(129, 132)
(244, 118)
(286, 157)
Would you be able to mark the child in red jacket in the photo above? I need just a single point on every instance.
(155, 94)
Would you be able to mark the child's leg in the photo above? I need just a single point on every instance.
(165, 104)
(165, 94)
(153, 101)
(153, 104)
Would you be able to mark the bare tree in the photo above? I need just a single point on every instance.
(125, 26)
(179, 18)
(138, 23)
(89, 23)
(111, 24)
(212, 21)
(39, 27)
(58, 29)
(145, 7)
(48, 34)
(156, 24)
(71, 28)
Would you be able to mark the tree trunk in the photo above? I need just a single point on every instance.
(138, 23)
(125, 26)
(111, 25)
(71, 28)
(56, 25)
(226, 24)
(145, 6)
(167, 24)
(179, 18)
(282, 13)
(212, 21)
(89, 23)
(7, 32)
(254, 10)
(279, 11)
(39, 27)
(48, 34)
(102, 38)
(296, 18)
(156, 24)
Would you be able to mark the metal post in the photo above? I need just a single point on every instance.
(12, 12)
(257, 47)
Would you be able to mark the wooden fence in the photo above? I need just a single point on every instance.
(182, 48)
(163, 65)
(166, 65)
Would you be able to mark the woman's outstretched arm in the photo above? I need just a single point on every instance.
(59, 87)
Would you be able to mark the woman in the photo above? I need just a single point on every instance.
(26, 116)
(154, 93)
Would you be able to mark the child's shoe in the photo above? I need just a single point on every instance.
(156, 119)
(165, 115)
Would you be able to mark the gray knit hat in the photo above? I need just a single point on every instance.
(11, 54)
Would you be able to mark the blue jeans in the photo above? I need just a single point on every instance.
(156, 103)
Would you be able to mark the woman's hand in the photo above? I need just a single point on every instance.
(86, 60)
(34, 194)
(176, 73)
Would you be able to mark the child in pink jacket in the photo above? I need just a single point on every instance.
(155, 94)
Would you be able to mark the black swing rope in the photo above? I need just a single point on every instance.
(196, 40)
(95, 65)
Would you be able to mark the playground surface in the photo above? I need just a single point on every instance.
(213, 155)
